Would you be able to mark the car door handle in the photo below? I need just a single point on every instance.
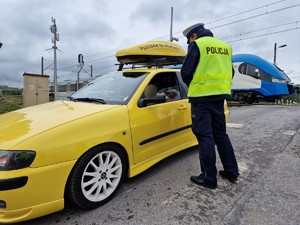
(181, 107)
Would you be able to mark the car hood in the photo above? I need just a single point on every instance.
(22, 124)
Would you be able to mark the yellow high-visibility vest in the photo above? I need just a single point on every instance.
(213, 74)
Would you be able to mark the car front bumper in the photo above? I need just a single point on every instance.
(38, 192)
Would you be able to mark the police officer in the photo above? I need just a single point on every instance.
(207, 71)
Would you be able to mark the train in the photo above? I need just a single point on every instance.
(256, 79)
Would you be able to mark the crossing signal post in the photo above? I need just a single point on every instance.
(80, 65)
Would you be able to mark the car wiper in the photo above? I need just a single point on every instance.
(87, 99)
(71, 98)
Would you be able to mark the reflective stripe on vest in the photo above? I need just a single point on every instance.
(214, 71)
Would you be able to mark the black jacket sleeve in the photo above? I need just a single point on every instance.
(190, 63)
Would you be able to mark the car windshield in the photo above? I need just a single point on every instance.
(111, 88)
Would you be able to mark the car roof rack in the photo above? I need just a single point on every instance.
(154, 62)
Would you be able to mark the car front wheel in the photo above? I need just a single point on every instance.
(97, 176)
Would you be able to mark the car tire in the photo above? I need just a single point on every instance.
(97, 176)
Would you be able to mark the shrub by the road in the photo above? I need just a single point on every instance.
(10, 104)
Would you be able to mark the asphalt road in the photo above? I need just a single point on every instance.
(267, 146)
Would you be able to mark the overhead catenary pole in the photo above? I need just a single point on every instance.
(275, 47)
(91, 70)
(275, 52)
(55, 38)
(42, 65)
(171, 27)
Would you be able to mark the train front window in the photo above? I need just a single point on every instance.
(254, 71)
(242, 68)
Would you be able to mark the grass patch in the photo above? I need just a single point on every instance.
(9, 104)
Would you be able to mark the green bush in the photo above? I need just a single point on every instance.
(10, 104)
(295, 98)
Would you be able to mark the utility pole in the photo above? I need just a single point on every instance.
(42, 66)
(275, 48)
(55, 38)
(275, 51)
(171, 28)
(91, 70)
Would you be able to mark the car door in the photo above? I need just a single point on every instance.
(160, 129)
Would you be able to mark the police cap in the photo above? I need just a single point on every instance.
(192, 29)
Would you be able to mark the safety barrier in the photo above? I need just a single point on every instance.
(284, 102)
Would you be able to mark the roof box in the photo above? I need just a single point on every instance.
(152, 53)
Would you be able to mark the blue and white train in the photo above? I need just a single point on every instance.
(256, 79)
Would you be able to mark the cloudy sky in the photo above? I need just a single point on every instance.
(98, 28)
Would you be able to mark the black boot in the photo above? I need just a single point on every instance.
(200, 181)
(227, 176)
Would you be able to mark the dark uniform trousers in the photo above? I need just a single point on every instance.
(209, 126)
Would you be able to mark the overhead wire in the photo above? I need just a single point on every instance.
(252, 17)
(237, 14)
(87, 62)
(262, 29)
(262, 35)
(246, 11)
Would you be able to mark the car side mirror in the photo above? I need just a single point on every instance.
(143, 102)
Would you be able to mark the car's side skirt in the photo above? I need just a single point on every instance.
(146, 141)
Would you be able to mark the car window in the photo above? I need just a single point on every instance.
(114, 88)
(165, 84)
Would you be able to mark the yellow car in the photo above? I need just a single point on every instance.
(82, 148)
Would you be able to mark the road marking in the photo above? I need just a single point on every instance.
(243, 166)
(289, 132)
(235, 125)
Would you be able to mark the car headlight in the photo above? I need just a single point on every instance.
(13, 160)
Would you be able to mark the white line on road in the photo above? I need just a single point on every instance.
(235, 125)
(289, 132)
